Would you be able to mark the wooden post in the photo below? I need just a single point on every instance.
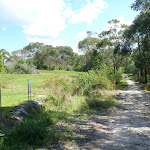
(0, 96)
(0, 105)
(28, 90)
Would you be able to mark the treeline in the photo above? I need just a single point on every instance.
(42, 56)
(120, 47)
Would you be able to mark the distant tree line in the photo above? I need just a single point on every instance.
(120, 47)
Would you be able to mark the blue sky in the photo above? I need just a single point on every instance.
(57, 22)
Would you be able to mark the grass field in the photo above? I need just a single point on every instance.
(61, 108)
(15, 87)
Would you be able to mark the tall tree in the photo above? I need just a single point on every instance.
(112, 45)
(139, 32)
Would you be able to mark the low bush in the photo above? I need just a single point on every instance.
(18, 67)
(86, 82)
(32, 131)
(100, 102)
(59, 67)
(140, 79)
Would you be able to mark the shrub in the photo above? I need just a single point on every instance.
(19, 67)
(68, 68)
(87, 82)
(100, 102)
(59, 67)
(140, 79)
(30, 132)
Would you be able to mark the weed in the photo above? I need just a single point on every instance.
(92, 80)
(100, 102)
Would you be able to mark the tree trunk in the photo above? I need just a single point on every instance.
(145, 75)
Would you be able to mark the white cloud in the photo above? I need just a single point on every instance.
(75, 48)
(122, 21)
(37, 17)
(89, 12)
(58, 43)
(47, 41)
(46, 19)
(126, 22)
(81, 34)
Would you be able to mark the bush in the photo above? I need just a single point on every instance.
(59, 67)
(68, 68)
(18, 67)
(100, 102)
(30, 132)
(140, 79)
(87, 82)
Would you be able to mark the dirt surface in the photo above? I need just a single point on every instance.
(127, 129)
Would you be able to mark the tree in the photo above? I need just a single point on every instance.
(141, 5)
(1, 64)
(112, 45)
(5, 55)
(94, 62)
(87, 44)
(139, 32)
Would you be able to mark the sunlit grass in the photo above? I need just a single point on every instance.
(15, 87)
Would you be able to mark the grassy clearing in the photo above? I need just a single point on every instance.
(66, 104)
(14, 87)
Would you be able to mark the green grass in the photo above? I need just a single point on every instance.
(47, 127)
(15, 87)
(121, 85)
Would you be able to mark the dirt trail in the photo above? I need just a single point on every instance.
(128, 129)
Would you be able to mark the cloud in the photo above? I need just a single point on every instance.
(126, 22)
(47, 41)
(37, 17)
(122, 21)
(44, 20)
(81, 34)
(75, 48)
(89, 12)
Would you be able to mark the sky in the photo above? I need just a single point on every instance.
(57, 22)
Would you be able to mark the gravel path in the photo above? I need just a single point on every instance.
(128, 129)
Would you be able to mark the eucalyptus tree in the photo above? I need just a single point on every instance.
(87, 44)
(112, 45)
(88, 47)
(5, 55)
(139, 33)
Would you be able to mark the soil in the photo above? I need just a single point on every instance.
(126, 129)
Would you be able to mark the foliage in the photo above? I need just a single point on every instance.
(5, 55)
(112, 47)
(138, 32)
(32, 131)
(94, 62)
(19, 67)
(141, 5)
(39, 130)
(87, 44)
(89, 81)
(1, 64)
(130, 66)
(100, 102)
